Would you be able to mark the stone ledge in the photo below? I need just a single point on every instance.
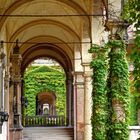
(134, 127)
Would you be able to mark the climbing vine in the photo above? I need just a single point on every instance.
(99, 93)
(110, 95)
(118, 91)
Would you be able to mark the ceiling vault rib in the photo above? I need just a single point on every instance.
(62, 15)
(46, 43)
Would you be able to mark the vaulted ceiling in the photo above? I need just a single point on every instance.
(45, 27)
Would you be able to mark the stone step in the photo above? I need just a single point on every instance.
(48, 133)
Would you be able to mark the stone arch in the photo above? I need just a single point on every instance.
(46, 22)
(48, 50)
(65, 63)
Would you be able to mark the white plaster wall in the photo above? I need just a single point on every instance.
(3, 136)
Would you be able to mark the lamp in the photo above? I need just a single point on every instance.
(3, 117)
(6, 116)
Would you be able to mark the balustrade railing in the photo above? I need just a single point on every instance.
(43, 120)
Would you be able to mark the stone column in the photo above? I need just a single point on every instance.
(69, 99)
(16, 81)
(86, 59)
(6, 102)
(1, 88)
(88, 102)
(2, 66)
(79, 105)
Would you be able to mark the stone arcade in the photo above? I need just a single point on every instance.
(60, 29)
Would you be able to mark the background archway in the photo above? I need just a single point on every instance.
(46, 103)
(55, 81)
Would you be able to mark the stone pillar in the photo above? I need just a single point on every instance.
(16, 79)
(69, 99)
(79, 105)
(6, 104)
(2, 66)
(119, 112)
(16, 90)
(86, 59)
(88, 102)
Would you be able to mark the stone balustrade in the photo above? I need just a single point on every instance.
(134, 132)
(43, 120)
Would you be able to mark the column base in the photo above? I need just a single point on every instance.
(17, 123)
(16, 130)
(80, 131)
(16, 134)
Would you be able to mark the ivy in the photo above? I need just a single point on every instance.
(118, 91)
(99, 93)
(110, 95)
(132, 13)
(43, 78)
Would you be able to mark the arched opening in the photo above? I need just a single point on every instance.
(46, 103)
(54, 37)
(46, 93)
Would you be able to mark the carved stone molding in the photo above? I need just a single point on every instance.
(16, 67)
(116, 28)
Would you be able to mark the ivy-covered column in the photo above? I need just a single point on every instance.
(118, 90)
(99, 93)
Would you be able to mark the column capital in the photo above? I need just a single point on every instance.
(79, 79)
(16, 79)
(87, 70)
(116, 27)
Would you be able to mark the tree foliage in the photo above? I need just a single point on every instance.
(132, 12)
(132, 15)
